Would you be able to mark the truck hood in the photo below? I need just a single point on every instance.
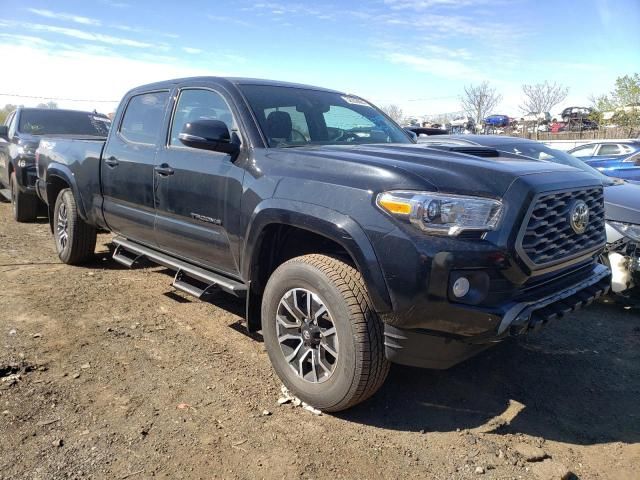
(441, 170)
(622, 203)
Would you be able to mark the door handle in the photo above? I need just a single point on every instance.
(163, 170)
(112, 161)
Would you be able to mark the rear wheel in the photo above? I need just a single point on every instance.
(322, 335)
(75, 239)
(24, 205)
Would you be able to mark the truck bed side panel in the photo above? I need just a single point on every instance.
(77, 162)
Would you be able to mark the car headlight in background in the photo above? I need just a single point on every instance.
(442, 214)
(629, 230)
(26, 150)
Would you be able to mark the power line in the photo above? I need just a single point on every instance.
(57, 98)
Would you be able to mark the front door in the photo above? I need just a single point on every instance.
(127, 168)
(198, 192)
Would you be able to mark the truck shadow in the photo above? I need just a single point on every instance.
(577, 382)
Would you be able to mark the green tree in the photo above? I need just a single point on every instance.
(624, 101)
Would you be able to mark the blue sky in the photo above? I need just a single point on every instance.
(415, 53)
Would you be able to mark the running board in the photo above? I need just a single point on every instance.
(124, 257)
(6, 193)
(189, 278)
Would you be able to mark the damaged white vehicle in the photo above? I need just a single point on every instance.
(623, 236)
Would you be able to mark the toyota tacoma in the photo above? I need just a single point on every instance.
(352, 246)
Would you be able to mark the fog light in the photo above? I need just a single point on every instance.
(461, 287)
(22, 163)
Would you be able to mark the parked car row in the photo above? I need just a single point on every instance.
(351, 245)
(620, 159)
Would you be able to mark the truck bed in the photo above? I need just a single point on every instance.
(77, 157)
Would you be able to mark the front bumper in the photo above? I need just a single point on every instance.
(26, 178)
(430, 349)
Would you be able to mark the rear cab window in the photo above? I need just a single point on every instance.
(143, 118)
(63, 122)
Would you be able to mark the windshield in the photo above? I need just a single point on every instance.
(296, 117)
(540, 151)
(63, 122)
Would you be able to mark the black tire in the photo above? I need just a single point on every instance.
(80, 243)
(24, 205)
(360, 368)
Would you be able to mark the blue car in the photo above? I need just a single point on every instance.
(620, 159)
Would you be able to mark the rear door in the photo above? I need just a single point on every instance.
(198, 192)
(128, 165)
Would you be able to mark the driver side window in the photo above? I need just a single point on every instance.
(199, 104)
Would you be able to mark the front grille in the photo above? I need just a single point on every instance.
(549, 237)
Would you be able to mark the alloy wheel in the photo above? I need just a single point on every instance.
(307, 335)
(62, 227)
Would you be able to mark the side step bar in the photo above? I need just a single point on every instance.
(125, 258)
(189, 278)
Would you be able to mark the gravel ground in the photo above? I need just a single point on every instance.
(110, 373)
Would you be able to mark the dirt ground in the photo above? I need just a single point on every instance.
(110, 373)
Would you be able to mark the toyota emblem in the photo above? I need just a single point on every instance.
(579, 216)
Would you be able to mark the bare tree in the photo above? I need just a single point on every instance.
(395, 112)
(50, 104)
(479, 100)
(542, 97)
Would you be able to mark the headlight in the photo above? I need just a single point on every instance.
(25, 150)
(629, 230)
(442, 214)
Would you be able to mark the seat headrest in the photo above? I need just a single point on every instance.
(279, 125)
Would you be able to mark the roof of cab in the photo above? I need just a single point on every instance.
(46, 109)
(235, 81)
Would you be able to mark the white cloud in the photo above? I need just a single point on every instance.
(115, 3)
(69, 17)
(77, 78)
(129, 28)
(84, 35)
(428, 4)
(440, 67)
(191, 50)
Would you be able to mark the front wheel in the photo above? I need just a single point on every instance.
(24, 205)
(75, 239)
(322, 335)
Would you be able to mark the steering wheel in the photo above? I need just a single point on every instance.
(347, 137)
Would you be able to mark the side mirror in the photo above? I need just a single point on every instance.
(4, 132)
(208, 135)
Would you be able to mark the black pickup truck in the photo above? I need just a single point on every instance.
(353, 246)
(19, 139)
